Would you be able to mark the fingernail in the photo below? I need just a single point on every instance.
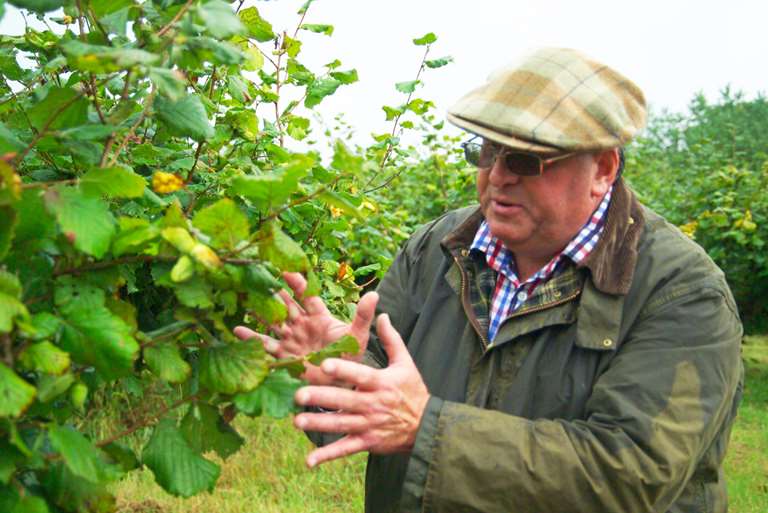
(300, 422)
(302, 397)
(271, 346)
(329, 367)
(311, 462)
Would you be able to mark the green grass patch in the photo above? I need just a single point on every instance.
(267, 475)
(746, 465)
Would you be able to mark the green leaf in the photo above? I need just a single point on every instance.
(259, 28)
(89, 132)
(50, 387)
(232, 368)
(9, 142)
(10, 457)
(186, 117)
(176, 466)
(73, 493)
(207, 48)
(318, 29)
(183, 269)
(35, 223)
(122, 456)
(223, 222)
(113, 182)
(393, 112)
(195, 293)
(31, 504)
(86, 221)
(266, 307)
(273, 189)
(40, 6)
(45, 357)
(80, 455)
(8, 221)
(220, 19)
(245, 122)
(94, 336)
(346, 161)
(407, 87)
(11, 307)
(105, 7)
(292, 46)
(105, 59)
(44, 325)
(259, 279)
(438, 63)
(338, 200)
(345, 77)
(282, 251)
(134, 236)
(319, 89)
(426, 39)
(273, 398)
(169, 82)
(15, 393)
(205, 430)
(179, 238)
(165, 361)
(63, 107)
(345, 345)
(238, 89)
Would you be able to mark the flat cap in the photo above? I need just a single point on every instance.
(555, 101)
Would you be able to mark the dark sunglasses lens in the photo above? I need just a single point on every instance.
(472, 153)
(523, 164)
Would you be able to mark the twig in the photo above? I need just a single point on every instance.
(145, 423)
(194, 164)
(395, 125)
(33, 185)
(184, 9)
(133, 259)
(92, 84)
(301, 200)
(132, 131)
(8, 350)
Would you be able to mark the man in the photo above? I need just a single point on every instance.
(566, 349)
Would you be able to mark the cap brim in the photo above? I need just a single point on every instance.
(511, 141)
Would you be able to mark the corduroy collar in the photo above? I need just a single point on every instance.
(611, 263)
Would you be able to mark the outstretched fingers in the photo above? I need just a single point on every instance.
(271, 345)
(350, 444)
(298, 284)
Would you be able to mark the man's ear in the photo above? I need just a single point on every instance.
(607, 168)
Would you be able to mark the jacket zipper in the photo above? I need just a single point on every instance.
(468, 308)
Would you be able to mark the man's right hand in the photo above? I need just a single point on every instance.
(310, 327)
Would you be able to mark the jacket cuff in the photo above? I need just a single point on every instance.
(421, 458)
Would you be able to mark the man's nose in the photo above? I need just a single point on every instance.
(500, 175)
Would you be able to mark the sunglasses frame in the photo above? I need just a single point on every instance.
(505, 152)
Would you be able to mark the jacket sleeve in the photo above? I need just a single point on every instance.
(661, 403)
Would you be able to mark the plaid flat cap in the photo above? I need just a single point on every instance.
(555, 101)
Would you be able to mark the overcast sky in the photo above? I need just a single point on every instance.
(671, 48)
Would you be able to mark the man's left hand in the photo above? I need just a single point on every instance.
(382, 413)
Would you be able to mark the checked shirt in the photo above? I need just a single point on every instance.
(509, 292)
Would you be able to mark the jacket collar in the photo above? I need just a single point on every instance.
(611, 263)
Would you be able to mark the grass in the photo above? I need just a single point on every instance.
(746, 465)
(268, 474)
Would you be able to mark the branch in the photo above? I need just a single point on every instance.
(146, 423)
(7, 349)
(395, 125)
(301, 200)
(92, 84)
(132, 131)
(176, 18)
(133, 259)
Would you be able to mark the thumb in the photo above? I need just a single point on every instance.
(392, 341)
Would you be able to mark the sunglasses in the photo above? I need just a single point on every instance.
(484, 155)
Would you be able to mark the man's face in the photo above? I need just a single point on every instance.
(536, 216)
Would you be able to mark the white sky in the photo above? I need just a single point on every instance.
(671, 48)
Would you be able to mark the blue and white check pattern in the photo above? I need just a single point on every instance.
(509, 293)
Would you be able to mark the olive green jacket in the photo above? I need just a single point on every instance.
(613, 389)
